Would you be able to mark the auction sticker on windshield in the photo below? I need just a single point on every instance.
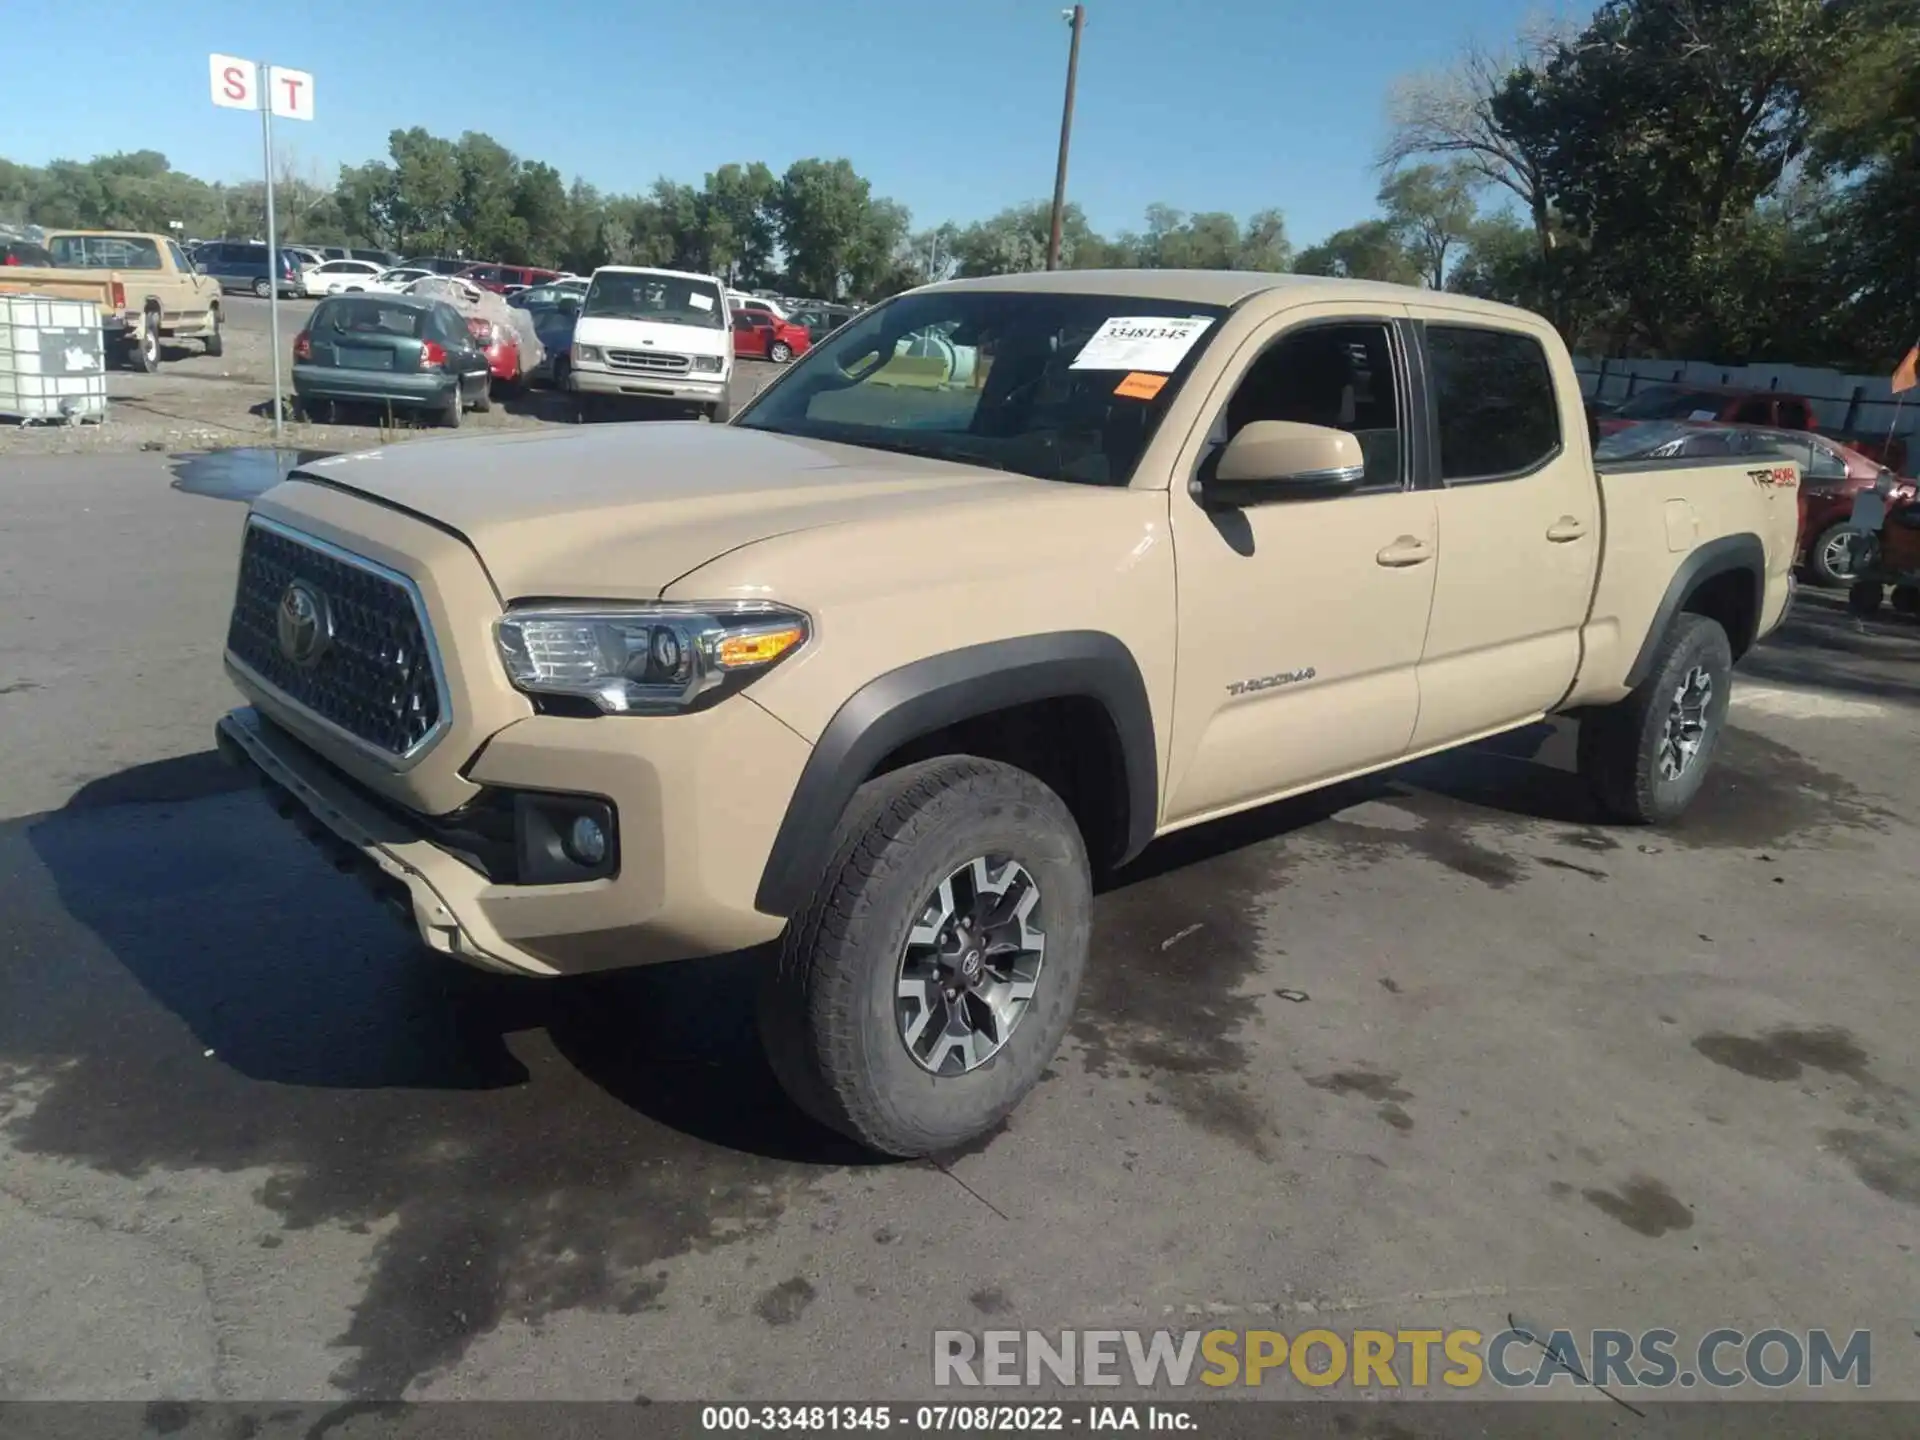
(1141, 342)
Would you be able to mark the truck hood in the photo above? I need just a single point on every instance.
(622, 511)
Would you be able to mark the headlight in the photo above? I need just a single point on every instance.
(646, 659)
(711, 364)
(586, 354)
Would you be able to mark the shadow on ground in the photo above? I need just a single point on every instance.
(190, 987)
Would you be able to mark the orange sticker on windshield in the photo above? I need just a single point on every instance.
(1140, 386)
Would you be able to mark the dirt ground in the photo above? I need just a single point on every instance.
(196, 402)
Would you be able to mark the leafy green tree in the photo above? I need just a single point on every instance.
(1432, 209)
(1371, 250)
(822, 209)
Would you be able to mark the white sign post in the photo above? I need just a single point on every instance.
(237, 84)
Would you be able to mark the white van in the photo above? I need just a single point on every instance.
(741, 300)
(655, 334)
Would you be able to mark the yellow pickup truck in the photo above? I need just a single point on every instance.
(146, 287)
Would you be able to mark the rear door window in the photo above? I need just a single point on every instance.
(1493, 396)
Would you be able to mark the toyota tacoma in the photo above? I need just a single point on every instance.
(1004, 580)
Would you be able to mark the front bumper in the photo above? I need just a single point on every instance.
(695, 815)
(654, 387)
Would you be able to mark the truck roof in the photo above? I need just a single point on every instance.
(1217, 287)
(658, 270)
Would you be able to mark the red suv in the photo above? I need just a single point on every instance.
(504, 279)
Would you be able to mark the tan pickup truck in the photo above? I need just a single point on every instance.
(146, 287)
(879, 675)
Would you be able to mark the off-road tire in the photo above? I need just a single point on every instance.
(827, 1007)
(1619, 746)
(1864, 598)
(215, 340)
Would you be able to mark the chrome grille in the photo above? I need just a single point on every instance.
(376, 680)
(654, 362)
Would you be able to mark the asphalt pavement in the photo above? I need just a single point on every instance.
(1431, 1050)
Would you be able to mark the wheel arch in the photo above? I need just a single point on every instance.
(1084, 675)
(1725, 580)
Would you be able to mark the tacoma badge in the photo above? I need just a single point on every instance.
(1269, 682)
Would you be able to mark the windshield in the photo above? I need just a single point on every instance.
(648, 295)
(1668, 402)
(1056, 386)
(104, 252)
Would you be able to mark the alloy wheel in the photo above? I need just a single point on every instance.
(970, 966)
(1684, 734)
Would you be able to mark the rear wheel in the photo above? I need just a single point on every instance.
(215, 341)
(450, 413)
(1645, 757)
(928, 982)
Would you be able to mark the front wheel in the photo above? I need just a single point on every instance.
(719, 412)
(929, 980)
(1645, 757)
(144, 352)
(780, 352)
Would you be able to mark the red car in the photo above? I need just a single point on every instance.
(502, 347)
(502, 278)
(1709, 404)
(760, 336)
(1833, 476)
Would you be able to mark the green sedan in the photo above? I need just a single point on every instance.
(396, 351)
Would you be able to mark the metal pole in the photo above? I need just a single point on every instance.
(273, 246)
(1078, 16)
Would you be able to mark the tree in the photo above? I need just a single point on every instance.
(1371, 250)
(1655, 134)
(426, 188)
(737, 221)
(821, 209)
(1432, 210)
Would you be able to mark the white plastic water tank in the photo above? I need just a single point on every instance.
(52, 360)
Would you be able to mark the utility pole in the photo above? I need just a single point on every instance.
(1076, 17)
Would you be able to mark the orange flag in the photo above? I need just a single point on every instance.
(1907, 376)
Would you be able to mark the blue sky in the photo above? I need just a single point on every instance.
(952, 109)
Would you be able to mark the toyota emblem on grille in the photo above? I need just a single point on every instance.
(303, 624)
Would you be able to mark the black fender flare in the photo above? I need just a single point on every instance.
(941, 690)
(1735, 553)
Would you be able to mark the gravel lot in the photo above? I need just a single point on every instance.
(253, 1144)
(197, 402)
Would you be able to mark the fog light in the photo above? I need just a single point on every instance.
(586, 841)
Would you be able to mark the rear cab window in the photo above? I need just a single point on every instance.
(104, 252)
(1496, 411)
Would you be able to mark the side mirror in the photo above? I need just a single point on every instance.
(1272, 460)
